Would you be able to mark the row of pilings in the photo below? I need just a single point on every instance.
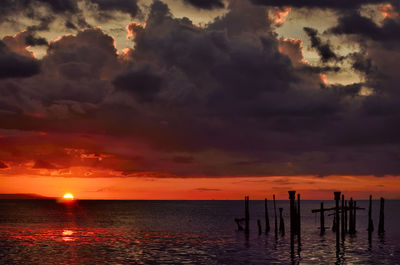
(344, 217)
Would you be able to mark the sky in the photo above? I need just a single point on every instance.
(200, 99)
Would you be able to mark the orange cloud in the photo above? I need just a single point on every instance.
(387, 11)
(132, 29)
(17, 44)
(293, 48)
(280, 14)
(324, 79)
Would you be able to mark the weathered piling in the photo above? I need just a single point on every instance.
(322, 219)
(292, 213)
(281, 222)
(259, 226)
(298, 216)
(351, 217)
(238, 222)
(267, 227)
(276, 218)
(337, 227)
(370, 228)
(355, 217)
(246, 214)
(345, 217)
(334, 223)
(342, 220)
(381, 226)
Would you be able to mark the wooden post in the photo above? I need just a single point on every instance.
(351, 217)
(345, 217)
(355, 217)
(292, 195)
(281, 222)
(370, 221)
(342, 216)
(334, 223)
(298, 216)
(294, 219)
(337, 227)
(381, 227)
(322, 219)
(267, 227)
(259, 226)
(246, 214)
(276, 218)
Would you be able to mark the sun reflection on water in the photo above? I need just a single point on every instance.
(67, 235)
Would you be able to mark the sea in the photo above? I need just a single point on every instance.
(185, 232)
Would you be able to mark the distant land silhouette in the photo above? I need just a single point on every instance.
(24, 196)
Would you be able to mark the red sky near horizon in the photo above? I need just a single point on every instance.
(189, 100)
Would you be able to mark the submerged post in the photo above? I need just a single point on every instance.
(342, 216)
(259, 226)
(370, 221)
(298, 216)
(381, 228)
(276, 218)
(337, 227)
(246, 214)
(351, 217)
(355, 217)
(345, 217)
(281, 222)
(267, 227)
(322, 219)
(292, 195)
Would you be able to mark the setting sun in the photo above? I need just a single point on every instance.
(68, 196)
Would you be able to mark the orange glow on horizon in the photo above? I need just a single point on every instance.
(201, 188)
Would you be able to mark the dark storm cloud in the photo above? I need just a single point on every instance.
(126, 6)
(324, 49)
(216, 100)
(358, 25)
(337, 4)
(143, 83)
(205, 4)
(66, 10)
(35, 41)
(13, 65)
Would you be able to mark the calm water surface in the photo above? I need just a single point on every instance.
(181, 232)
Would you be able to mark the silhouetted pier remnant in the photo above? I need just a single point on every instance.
(322, 211)
(370, 228)
(334, 223)
(267, 227)
(292, 196)
(351, 217)
(298, 217)
(337, 227)
(322, 219)
(239, 223)
(259, 226)
(343, 210)
(355, 217)
(345, 217)
(381, 226)
(276, 218)
(246, 214)
(281, 222)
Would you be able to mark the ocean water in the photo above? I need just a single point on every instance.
(182, 232)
